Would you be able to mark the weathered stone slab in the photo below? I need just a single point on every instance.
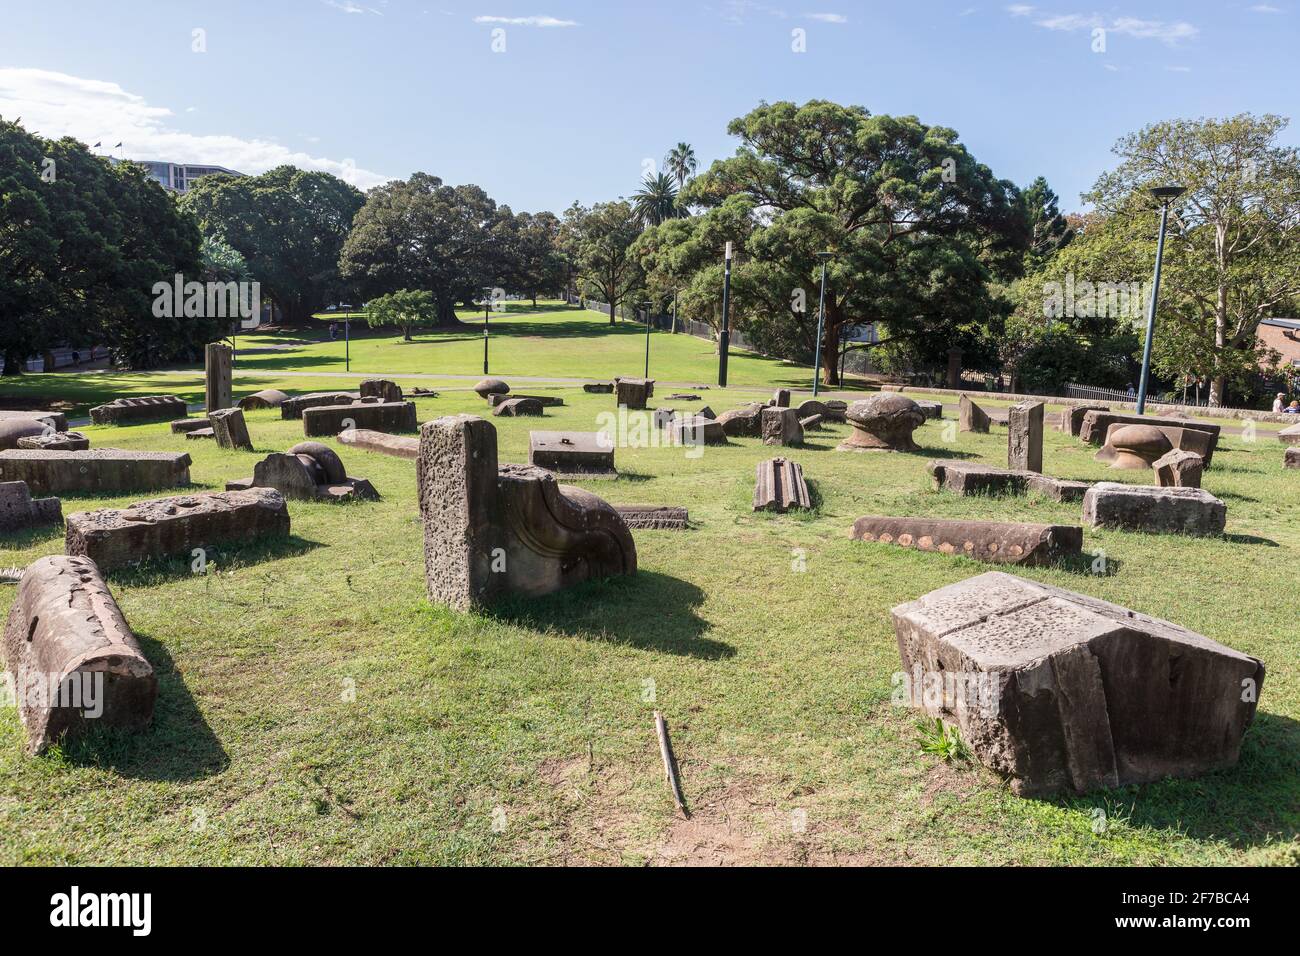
(98, 470)
(634, 392)
(653, 517)
(294, 406)
(744, 422)
(19, 510)
(491, 386)
(781, 426)
(517, 407)
(1289, 435)
(780, 486)
(309, 471)
(230, 429)
(199, 434)
(494, 530)
(1179, 469)
(705, 412)
(379, 416)
(1025, 436)
(974, 478)
(1096, 425)
(812, 407)
(218, 366)
(1154, 510)
(56, 441)
(399, 446)
(547, 401)
(73, 658)
(1292, 458)
(811, 423)
(662, 417)
(1062, 692)
(780, 398)
(1071, 419)
(883, 422)
(932, 410)
(14, 430)
(599, 388)
(131, 411)
(572, 453)
(696, 430)
(56, 420)
(970, 417)
(683, 397)
(183, 425)
(836, 410)
(382, 389)
(116, 537)
(996, 542)
(266, 398)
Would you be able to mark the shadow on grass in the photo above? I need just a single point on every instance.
(226, 557)
(178, 746)
(1091, 565)
(946, 453)
(1252, 804)
(648, 610)
(1250, 539)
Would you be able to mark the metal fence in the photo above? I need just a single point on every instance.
(700, 330)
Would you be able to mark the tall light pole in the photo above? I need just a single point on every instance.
(1163, 195)
(724, 339)
(821, 319)
(648, 306)
(487, 304)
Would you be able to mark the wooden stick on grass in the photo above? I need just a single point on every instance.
(670, 763)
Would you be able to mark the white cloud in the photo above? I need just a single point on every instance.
(528, 21)
(56, 104)
(347, 6)
(1265, 8)
(829, 17)
(1179, 69)
(1169, 32)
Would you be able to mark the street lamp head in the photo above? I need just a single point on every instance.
(1167, 194)
(824, 256)
(728, 252)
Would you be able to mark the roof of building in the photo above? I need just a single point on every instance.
(1283, 323)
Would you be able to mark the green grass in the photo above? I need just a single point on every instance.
(765, 640)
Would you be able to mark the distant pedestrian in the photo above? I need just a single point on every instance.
(1292, 409)
(334, 331)
(1131, 393)
(1279, 403)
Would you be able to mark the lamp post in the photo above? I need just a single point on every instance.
(1164, 195)
(648, 306)
(821, 319)
(347, 341)
(487, 304)
(724, 338)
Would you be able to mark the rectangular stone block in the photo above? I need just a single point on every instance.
(781, 426)
(1289, 435)
(56, 420)
(229, 429)
(1072, 417)
(382, 389)
(163, 527)
(993, 541)
(19, 510)
(634, 392)
(546, 401)
(96, 471)
(73, 658)
(1291, 459)
(294, 406)
(1025, 436)
(653, 517)
(1058, 691)
(132, 411)
(218, 364)
(974, 478)
(1179, 469)
(183, 425)
(970, 417)
(399, 446)
(780, 486)
(572, 453)
(377, 416)
(1154, 510)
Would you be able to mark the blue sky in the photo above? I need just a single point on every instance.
(585, 92)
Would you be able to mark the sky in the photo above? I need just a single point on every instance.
(545, 102)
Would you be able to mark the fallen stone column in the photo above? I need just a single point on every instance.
(493, 530)
(1061, 692)
(99, 470)
(399, 446)
(993, 541)
(131, 411)
(116, 537)
(230, 429)
(379, 416)
(653, 517)
(779, 486)
(73, 658)
(19, 510)
(1154, 510)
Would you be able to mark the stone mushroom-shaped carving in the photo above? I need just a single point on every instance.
(491, 386)
(883, 421)
(1135, 446)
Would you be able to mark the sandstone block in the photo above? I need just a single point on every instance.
(996, 542)
(1154, 510)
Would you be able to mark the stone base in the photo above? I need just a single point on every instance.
(1154, 510)
(572, 453)
(992, 541)
(1060, 692)
(97, 471)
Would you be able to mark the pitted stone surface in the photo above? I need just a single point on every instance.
(96, 470)
(1074, 693)
(19, 510)
(1179, 469)
(653, 517)
(884, 421)
(130, 411)
(781, 426)
(992, 541)
(56, 441)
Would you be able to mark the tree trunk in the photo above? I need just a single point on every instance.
(446, 316)
(13, 364)
(1218, 382)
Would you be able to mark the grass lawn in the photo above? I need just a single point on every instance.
(314, 708)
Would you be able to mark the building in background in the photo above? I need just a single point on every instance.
(1283, 335)
(179, 177)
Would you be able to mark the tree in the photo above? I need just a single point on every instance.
(917, 228)
(423, 234)
(598, 243)
(1232, 255)
(656, 200)
(1049, 230)
(406, 309)
(681, 163)
(289, 225)
(533, 262)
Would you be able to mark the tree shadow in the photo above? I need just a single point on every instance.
(226, 556)
(1251, 804)
(178, 745)
(648, 610)
(947, 453)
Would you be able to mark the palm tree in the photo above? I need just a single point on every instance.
(681, 163)
(656, 200)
